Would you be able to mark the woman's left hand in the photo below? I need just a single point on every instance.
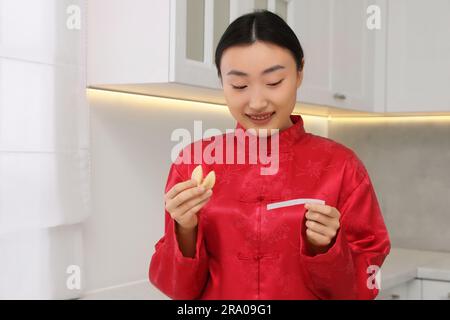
(322, 225)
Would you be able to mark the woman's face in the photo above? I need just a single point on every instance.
(252, 94)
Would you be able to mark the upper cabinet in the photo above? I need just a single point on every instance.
(375, 56)
(418, 56)
(160, 47)
(343, 56)
(401, 67)
(241, 7)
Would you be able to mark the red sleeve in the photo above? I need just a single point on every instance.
(362, 241)
(175, 275)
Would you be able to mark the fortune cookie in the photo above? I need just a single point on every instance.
(197, 174)
(208, 182)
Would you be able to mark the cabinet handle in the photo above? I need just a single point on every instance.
(339, 96)
(395, 296)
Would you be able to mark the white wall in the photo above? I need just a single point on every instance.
(408, 162)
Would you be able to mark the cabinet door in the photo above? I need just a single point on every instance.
(410, 290)
(199, 24)
(436, 290)
(418, 56)
(196, 27)
(240, 7)
(128, 42)
(342, 66)
(399, 292)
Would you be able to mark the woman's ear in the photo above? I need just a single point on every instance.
(300, 74)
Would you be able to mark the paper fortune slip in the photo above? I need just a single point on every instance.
(292, 202)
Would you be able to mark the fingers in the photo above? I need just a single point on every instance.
(323, 208)
(184, 196)
(179, 187)
(188, 215)
(185, 201)
(329, 233)
(322, 219)
(186, 206)
(322, 224)
(317, 238)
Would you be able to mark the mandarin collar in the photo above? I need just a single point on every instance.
(287, 137)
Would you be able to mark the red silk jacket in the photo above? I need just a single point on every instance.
(245, 251)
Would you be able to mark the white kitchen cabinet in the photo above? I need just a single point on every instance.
(417, 289)
(199, 24)
(166, 48)
(435, 290)
(410, 290)
(138, 45)
(418, 78)
(160, 47)
(241, 7)
(344, 60)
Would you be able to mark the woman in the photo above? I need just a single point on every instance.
(233, 245)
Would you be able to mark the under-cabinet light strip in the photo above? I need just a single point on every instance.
(328, 117)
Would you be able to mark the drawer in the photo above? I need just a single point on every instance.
(435, 290)
(410, 290)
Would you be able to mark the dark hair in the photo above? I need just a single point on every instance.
(260, 25)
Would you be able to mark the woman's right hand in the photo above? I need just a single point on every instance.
(184, 200)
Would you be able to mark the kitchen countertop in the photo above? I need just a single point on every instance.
(402, 265)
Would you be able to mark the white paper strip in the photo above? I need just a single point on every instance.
(292, 202)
